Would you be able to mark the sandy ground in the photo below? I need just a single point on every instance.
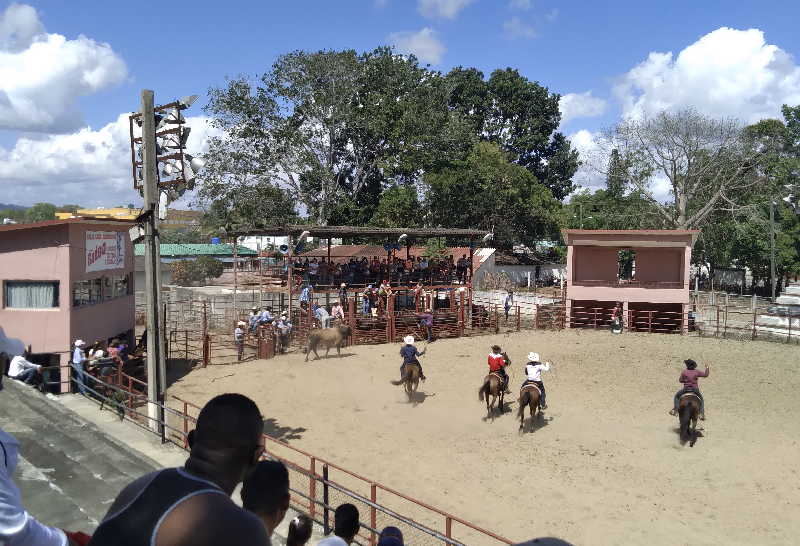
(604, 466)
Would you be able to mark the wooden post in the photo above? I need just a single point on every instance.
(312, 489)
(536, 316)
(461, 314)
(754, 322)
(717, 332)
(518, 318)
(373, 514)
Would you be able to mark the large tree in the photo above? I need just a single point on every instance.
(520, 116)
(40, 212)
(706, 164)
(331, 126)
(487, 191)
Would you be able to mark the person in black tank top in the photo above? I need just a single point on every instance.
(192, 505)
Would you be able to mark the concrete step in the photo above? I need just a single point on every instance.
(70, 471)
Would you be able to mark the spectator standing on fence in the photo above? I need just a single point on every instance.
(266, 316)
(343, 295)
(284, 328)
(77, 365)
(366, 300)
(461, 268)
(345, 526)
(508, 302)
(253, 319)
(321, 314)
(313, 271)
(265, 492)
(23, 370)
(426, 321)
(337, 312)
(238, 338)
(306, 295)
(192, 505)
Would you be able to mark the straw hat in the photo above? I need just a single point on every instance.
(241, 323)
(533, 357)
(409, 340)
(79, 343)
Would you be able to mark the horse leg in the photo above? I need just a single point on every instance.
(327, 350)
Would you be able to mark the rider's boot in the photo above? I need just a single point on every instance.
(507, 391)
(543, 402)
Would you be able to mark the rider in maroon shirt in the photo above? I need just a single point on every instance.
(689, 379)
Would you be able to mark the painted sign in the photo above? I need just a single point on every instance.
(105, 250)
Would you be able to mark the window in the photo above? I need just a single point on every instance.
(101, 289)
(31, 294)
(626, 265)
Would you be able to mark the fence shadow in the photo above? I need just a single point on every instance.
(177, 369)
(285, 434)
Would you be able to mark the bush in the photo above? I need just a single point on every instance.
(190, 272)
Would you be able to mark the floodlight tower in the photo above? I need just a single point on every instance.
(162, 172)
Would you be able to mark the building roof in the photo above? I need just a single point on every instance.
(50, 223)
(628, 236)
(363, 231)
(342, 253)
(195, 249)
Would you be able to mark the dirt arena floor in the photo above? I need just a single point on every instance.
(605, 465)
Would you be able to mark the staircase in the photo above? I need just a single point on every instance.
(784, 320)
(69, 471)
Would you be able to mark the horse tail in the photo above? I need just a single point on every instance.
(685, 417)
(524, 400)
(484, 390)
(406, 376)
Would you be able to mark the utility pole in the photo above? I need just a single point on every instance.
(152, 255)
(772, 246)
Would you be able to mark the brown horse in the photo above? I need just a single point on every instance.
(528, 396)
(688, 411)
(492, 386)
(411, 375)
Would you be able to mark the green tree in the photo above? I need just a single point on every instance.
(40, 212)
(336, 125)
(399, 206)
(245, 206)
(182, 235)
(520, 116)
(209, 267)
(487, 191)
(68, 208)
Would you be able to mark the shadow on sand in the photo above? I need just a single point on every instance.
(538, 422)
(496, 412)
(692, 438)
(285, 434)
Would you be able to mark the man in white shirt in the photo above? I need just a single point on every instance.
(77, 363)
(17, 526)
(345, 526)
(533, 374)
(22, 370)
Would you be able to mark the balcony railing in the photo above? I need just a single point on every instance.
(625, 283)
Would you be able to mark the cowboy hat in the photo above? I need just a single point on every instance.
(99, 354)
(533, 357)
(409, 340)
(241, 323)
(79, 343)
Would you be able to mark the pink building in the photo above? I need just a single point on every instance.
(64, 280)
(645, 270)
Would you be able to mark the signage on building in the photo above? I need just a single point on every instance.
(105, 250)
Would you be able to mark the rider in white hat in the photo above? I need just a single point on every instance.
(533, 374)
(410, 353)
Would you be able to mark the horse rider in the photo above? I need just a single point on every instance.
(497, 362)
(533, 375)
(689, 379)
(410, 353)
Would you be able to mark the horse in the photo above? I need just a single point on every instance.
(411, 375)
(492, 386)
(529, 395)
(688, 411)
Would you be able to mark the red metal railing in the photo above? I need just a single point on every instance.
(623, 283)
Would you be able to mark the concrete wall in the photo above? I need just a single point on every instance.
(659, 264)
(592, 263)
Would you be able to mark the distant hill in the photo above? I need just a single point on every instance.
(9, 206)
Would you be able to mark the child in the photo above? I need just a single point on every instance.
(533, 374)
(238, 338)
(299, 531)
(265, 493)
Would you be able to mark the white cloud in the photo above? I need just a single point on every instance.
(87, 167)
(726, 73)
(42, 75)
(444, 9)
(580, 105)
(424, 44)
(520, 4)
(517, 28)
(588, 175)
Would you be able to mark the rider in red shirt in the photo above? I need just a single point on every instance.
(497, 363)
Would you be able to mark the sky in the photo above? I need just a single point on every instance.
(71, 72)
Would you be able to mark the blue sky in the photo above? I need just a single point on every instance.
(588, 51)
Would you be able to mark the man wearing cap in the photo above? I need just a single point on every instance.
(689, 379)
(253, 319)
(77, 364)
(410, 353)
(337, 312)
(284, 327)
(533, 374)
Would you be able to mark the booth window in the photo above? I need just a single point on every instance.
(97, 290)
(31, 294)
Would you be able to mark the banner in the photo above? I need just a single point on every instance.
(105, 250)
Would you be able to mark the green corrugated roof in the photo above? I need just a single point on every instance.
(193, 249)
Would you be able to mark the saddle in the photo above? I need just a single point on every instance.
(530, 386)
(499, 377)
(692, 393)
